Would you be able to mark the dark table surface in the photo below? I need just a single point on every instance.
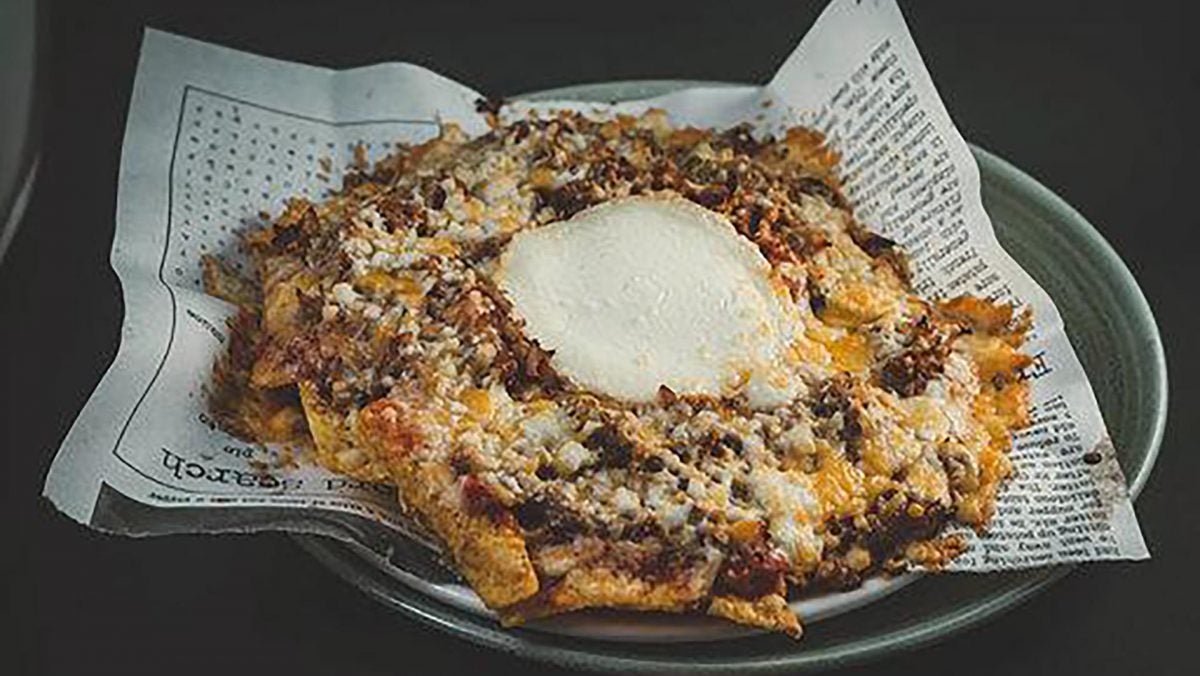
(1099, 104)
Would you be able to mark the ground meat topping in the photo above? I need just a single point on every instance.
(385, 292)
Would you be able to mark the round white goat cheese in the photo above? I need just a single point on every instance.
(648, 291)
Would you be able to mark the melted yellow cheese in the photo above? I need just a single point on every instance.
(850, 352)
(839, 485)
(478, 403)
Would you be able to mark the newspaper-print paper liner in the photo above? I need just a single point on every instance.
(215, 136)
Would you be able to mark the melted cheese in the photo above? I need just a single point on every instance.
(478, 403)
(643, 292)
(850, 352)
(791, 508)
(838, 484)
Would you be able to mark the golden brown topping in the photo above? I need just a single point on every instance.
(373, 328)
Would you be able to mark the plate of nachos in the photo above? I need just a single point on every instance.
(662, 376)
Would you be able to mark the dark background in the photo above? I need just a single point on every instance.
(1098, 103)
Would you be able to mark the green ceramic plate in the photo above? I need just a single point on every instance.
(1124, 360)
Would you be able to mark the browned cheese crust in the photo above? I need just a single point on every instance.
(372, 333)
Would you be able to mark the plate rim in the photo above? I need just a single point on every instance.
(540, 647)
